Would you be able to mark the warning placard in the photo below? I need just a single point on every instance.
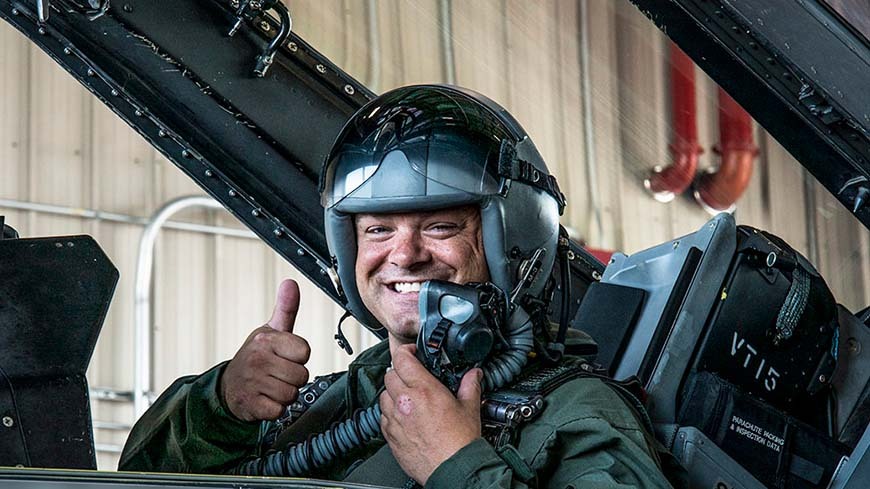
(756, 433)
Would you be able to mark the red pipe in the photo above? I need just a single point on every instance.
(665, 183)
(719, 189)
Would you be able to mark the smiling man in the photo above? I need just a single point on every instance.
(423, 183)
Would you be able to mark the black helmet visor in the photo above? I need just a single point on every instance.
(429, 148)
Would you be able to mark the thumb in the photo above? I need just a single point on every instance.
(286, 306)
(470, 388)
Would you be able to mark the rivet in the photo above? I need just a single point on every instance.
(8, 421)
(161, 133)
(321, 69)
(300, 252)
(209, 173)
(15, 11)
(127, 8)
(292, 46)
(58, 245)
(255, 213)
(91, 72)
(277, 232)
(185, 153)
(349, 90)
(70, 244)
(823, 379)
(114, 93)
(323, 272)
(138, 113)
(67, 51)
(232, 193)
(41, 30)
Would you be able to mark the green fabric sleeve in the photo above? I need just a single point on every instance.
(189, 430)
(586, 438)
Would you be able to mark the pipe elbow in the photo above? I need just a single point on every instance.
(718, 190)
(666, 183)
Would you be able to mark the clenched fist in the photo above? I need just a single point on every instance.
(269, 368)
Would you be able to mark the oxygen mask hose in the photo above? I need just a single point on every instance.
(317, 451)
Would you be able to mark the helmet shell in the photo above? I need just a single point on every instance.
(427, 147)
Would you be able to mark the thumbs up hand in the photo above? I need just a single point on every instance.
(266, 373)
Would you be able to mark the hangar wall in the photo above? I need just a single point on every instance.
(61, 147)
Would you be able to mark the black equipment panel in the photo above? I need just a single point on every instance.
(54, 296)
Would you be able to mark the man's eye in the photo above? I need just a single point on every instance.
(377, 230)
(443, 228)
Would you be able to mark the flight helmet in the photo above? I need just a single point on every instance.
(429, 147)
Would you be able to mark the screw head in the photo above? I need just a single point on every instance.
(91, 72)
(596, 275)
(300, 252)
(15, 11)
(232, 193)
(265, 26)
(42, 30)
(161, 133)
(209, 173)
(255, 213)
(139, 113)
(277, 232)
(292, 46)
(822, 378)
(349, 90)
(8, 421)
(67, 51)
(323, 384)
(321, 69)
(114, 92)
(676, 244)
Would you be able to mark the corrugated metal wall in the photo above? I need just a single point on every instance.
(60, 146)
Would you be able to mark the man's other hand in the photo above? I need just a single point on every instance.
(421, 419)
(269, 368)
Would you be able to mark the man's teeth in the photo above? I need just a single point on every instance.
(405, 287)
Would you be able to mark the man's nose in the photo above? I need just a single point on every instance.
(409, 250)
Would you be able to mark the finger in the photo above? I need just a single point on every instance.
(278, 391)
(266, 408)
(286, 306)
(388, 404)
(409, 368)
(393, 383)
(291, 347)
(288, 372)
(470, 389)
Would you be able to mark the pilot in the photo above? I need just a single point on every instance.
(424, 182)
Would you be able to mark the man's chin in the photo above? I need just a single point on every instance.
(403, 333)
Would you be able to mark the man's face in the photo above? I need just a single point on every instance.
(396, 253)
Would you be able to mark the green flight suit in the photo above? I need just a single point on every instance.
(586, 437)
